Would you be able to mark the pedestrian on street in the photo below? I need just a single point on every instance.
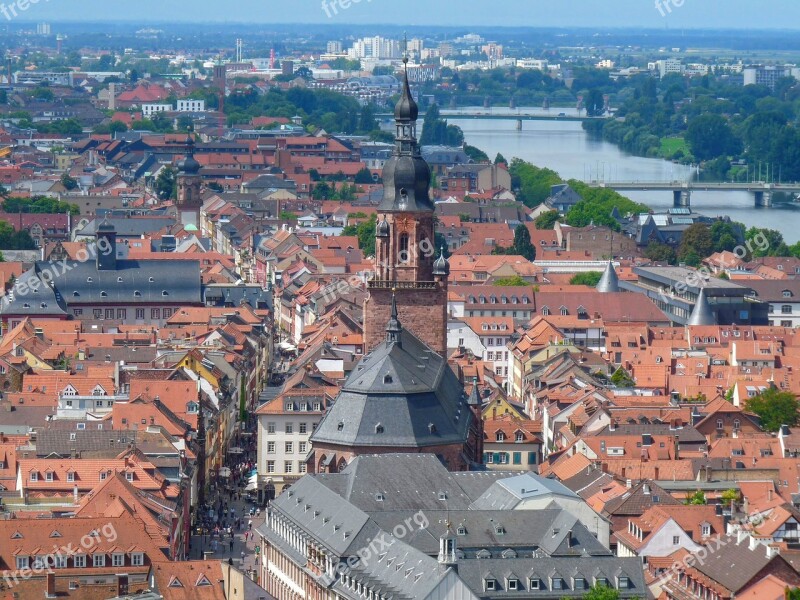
(242, 555)
(231, 545)
(249, 523)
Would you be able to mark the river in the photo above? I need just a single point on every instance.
(564, 147)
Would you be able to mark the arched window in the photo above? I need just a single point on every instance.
(402, 253)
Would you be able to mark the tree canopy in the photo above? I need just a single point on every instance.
(775, 408)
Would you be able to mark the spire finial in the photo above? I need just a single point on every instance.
(405, 50)
(393, 327)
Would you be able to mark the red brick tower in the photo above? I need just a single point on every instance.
(405, 249)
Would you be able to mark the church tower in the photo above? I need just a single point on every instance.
(188, 179)
(405, 252)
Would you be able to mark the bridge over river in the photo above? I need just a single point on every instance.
(682, 190)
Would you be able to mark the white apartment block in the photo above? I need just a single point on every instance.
(285, 424)
(149, 110)
(188, 105)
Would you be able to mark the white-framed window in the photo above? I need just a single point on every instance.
(271, 427)
(60, 562)
(289, 428)
(302, 447)
(287, 466)
(79, 560)
(22, 562)
(117, 560)
(706, 530)
(34, 476)
(301, 466)
(270, 466)
(98, 560)
(129, 475)
(137, 559)
(303, 427)
(48, 476)
(289, 448)
(103, 476)
(270, 447)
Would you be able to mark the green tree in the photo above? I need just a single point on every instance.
(522, 243)
(594, 103)
(514, 280)
(500, 159)
(365, 231)
(621, 378)
(166, 183)
(601, 592)
(547, 220)
(590, 278)
(710, 136)
(696, 499)
(658, 252)
(476, 154)
(69, 183)
(287, 215)
(774, 408)
(696, 240)
(533, 184)
(364, 176)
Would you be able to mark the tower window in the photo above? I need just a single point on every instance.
(403, 250)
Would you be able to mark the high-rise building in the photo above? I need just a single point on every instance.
(334, 47)
(374, 47)
(43, 28)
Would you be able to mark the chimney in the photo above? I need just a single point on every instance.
(604, 468)
(708, 473)
(629, 483)
(646, 489)
(50, 590)
(677, 448)
(655, 473)
(569, 538)
(612, 426)
(769, 495)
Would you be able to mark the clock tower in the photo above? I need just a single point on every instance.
(406, 262)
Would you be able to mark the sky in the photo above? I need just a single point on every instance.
(660, 14)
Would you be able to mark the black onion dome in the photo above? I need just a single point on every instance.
(382, 229)
(441, 266)
(406, 108)
(188, 165)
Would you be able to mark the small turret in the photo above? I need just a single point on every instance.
(609, 282)
(441, 266)
(702, 313)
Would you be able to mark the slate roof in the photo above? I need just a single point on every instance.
(734, 565)
(475, 571)
(133, 227)
(85, 284)
(401, 394)
(63, 442)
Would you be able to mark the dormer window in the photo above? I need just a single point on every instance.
(89, 280)
(461, 530)
(137, 294)
(103, 294)
(489, 584)
(34, 476)
(388, 378)
(500, 436)
(150, 279)
(379, 428)
(165, 293)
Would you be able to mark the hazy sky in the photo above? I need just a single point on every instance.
(769, 14)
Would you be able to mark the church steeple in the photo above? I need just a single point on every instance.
(408, 279)
(406, 175)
